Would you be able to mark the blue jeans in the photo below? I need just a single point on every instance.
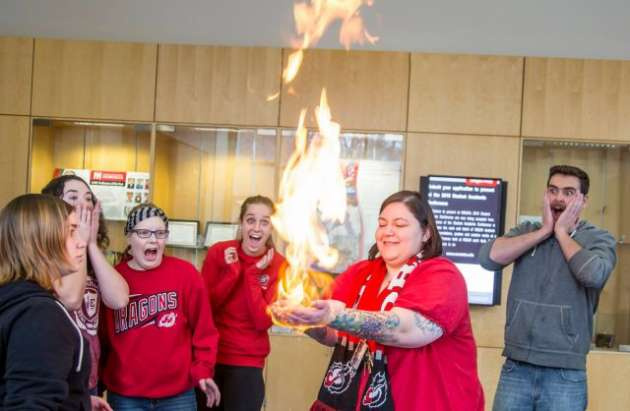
(528, 387)
(181, 402)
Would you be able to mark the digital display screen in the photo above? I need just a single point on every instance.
(469, 212)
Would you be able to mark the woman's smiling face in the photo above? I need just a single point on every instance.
(399, 235)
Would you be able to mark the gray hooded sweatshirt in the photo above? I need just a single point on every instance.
(551, 301)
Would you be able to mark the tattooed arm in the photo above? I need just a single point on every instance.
(399, 327)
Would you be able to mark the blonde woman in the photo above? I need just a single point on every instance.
(45, 361)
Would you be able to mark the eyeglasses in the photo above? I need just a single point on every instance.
(161, 234)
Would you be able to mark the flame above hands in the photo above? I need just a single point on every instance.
(312, 188)
(311, 21)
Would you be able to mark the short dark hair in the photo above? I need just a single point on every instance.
(421, 210)
(571, 171)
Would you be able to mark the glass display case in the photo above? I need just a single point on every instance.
(204, 174)
(114, 158)
(372, 170)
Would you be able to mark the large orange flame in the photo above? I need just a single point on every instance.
(312, 189)
(311, 21)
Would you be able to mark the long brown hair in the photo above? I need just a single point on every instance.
(421, 210)
(33, 231)
(257, 199)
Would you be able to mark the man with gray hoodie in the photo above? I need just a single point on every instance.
(560, 268)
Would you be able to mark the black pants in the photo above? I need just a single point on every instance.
(242, 389)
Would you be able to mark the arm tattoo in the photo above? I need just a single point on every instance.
(427, 326)
(371, 325)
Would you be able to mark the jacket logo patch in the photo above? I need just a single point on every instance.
(338, 377)
(263, 280)
(146, 310)
(230, 255)
(376, 394)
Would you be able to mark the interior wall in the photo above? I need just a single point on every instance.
(462, 115)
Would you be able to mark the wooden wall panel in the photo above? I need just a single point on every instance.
(218, 85)
(606, 372)
(465, 94)
(98, 80)
(14, 133)
(366, 90)
(577, 99)
(16, 66)
(294, 372)
(479, 156)
(489, 363)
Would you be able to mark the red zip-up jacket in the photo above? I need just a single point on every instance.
(164, 340)
(240, 293)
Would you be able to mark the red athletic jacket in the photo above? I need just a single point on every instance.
(240, 293)
(164, 340)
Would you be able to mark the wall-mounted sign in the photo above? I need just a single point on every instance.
(117, 191)
(469, 212)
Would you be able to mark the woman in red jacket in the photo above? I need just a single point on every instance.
(241, 277)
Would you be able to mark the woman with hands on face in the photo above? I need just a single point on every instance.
(241, 279)
(399, 322)
(103, 282)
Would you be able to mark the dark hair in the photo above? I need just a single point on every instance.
(418, 206)
(257, 199)
(55, 188)
(571, 171)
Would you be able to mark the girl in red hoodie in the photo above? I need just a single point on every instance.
(163, 343)
(241, 277)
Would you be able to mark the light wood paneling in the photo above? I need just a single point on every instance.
(478, 156)
(294, 372)
(577, 99)
(489, 363)
(465, 94)
(16, 66)
(607, 372)
(14, 132)
(219, 85)
(366, 90)
(98, 80)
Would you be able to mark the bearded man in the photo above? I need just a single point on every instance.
(560, 268)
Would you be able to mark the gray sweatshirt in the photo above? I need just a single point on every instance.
(551, 302)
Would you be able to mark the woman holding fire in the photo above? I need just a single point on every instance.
(399, 322)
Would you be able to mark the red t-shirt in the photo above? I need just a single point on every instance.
(164, 340)
(441, 375)
(240, 293)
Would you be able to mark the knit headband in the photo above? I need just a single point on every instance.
(142, 212)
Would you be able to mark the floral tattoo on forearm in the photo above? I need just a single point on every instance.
(382, 327)
(376, 326)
